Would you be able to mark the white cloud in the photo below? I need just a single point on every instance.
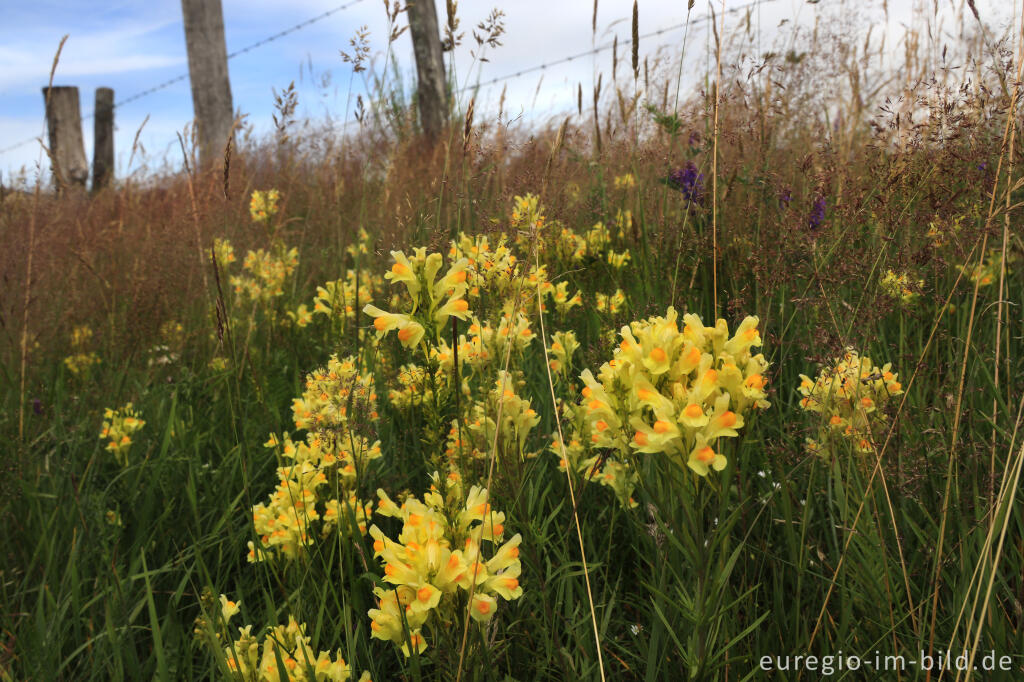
(131, 46)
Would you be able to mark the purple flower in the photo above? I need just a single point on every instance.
(817, 216)
(785, 196)
(695, 139)
(37, 406)
(689, 181)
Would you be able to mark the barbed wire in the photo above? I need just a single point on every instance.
(522, 72)
(179, 78)
(603, 48)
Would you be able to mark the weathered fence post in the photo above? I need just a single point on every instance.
(103, 139)
(426, 45)
(208, 72)
(67, 148)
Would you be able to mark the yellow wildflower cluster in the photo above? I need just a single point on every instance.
(267, 273)
(483, 344)
(940, 230)
(414, 388)
(328, 462)
(474, 436)
(987, 273)
(439, 553)
(611, 304)
(362, 246)
(329, 392)
(564, 302)
(623, 219)
(81, 360)
(118, 427)
(574, 248)
(258, 659)
(848, 396)
(223, 252)
(301, 316)
(900, 286)
(284, 523)
(626, 181)
(527, 213)
(263, 205)
(342, 297)
(618, 260)
(563, 346)
(488, 269)
(669, 391)
(444, 297)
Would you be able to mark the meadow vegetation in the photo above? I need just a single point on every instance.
(672, 384)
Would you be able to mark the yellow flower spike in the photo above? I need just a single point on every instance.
(424, 570)
(848, 394)
(117, 428)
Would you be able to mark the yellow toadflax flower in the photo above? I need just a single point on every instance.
(666, 391)
(260, 658)
(118, 427)
(900, 286)
(263, 205)
(437, 555)
(847, 396)
(81, 360)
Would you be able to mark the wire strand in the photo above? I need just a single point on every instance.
(180, 77)
(475, 86)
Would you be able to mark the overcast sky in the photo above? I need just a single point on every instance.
(132, 45)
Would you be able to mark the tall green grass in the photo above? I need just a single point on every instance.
(104, 568)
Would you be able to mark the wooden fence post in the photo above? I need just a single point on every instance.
(67, 147)
(208, 73)
(103, 139)
(426, 45)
